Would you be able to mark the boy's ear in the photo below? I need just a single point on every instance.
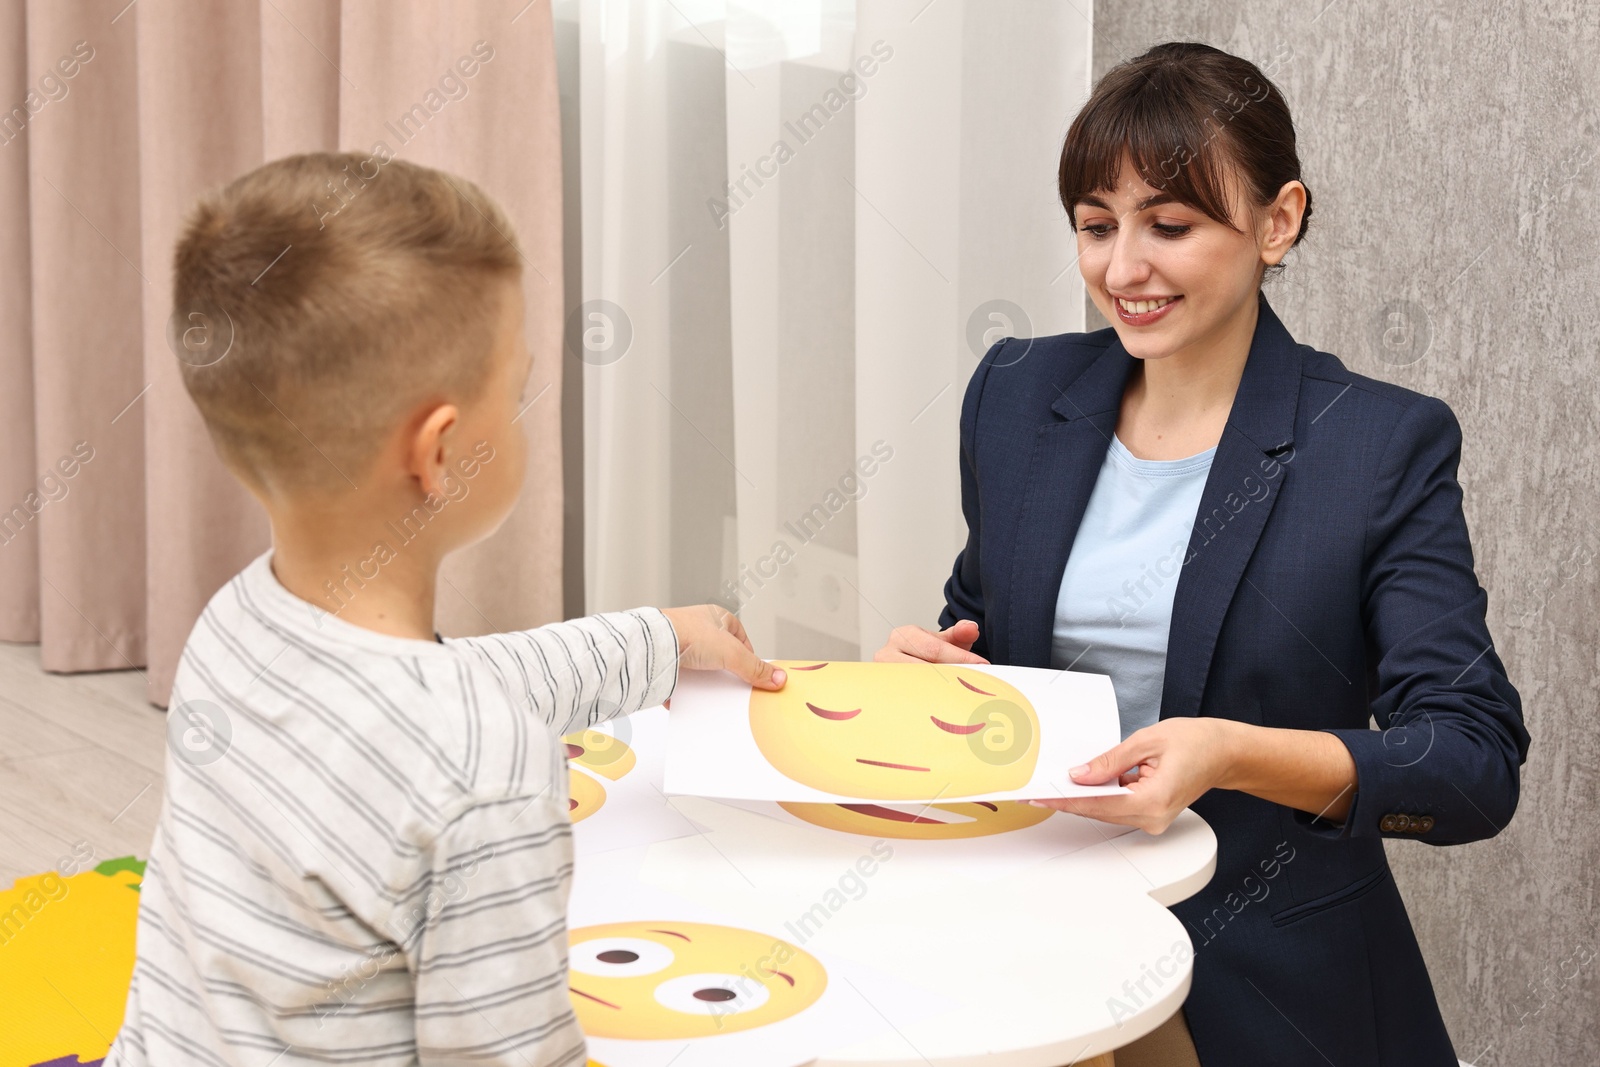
(427, 460)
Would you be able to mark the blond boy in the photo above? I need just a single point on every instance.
(363, 855)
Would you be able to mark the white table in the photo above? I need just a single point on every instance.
(1034, 960)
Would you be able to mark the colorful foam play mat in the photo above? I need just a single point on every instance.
(66, 956)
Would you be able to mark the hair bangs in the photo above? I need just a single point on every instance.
(1159, 127)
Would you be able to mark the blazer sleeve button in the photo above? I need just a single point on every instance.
(1425, 824)
(1387, 824)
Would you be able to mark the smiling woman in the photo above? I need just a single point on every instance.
(1182, 181)
(1344, 592)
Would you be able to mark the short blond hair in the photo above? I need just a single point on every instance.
(320, 298)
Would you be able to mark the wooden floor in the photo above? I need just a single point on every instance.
(81, 759)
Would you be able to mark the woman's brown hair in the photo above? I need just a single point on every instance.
(1184, 113)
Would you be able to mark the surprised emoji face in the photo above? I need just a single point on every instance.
(657, 980)
(896, 731)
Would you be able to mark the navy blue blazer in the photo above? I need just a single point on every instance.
(1329, 583)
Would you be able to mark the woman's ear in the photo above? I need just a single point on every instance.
(1282, 223)
(426, 454)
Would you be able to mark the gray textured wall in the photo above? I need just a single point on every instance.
(1453, 150)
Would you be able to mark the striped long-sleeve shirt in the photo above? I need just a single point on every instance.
(363, 854)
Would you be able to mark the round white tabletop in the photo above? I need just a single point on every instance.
(1048, 964)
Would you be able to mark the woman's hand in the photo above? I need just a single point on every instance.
(1178, 761)
(711, 638)
(913, 644)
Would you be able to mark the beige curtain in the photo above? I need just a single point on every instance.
(117, 522)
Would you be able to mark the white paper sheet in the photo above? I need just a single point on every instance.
(617, 783)
(900, 732)
(680, 949)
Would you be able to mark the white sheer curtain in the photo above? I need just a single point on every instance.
(801, 221)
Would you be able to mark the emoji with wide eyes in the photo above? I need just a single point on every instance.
(921, 821)
(601, 754)
(655, 980)
(896, 731)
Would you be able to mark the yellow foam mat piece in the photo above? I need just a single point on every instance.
(66, 958)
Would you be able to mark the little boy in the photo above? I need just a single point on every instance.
(364, 855)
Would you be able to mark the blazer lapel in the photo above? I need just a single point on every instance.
(1067, 454)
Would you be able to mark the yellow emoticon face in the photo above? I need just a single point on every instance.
(649, 981)
(922, 822)
(584, 795)
(600, 753)
(893, 731)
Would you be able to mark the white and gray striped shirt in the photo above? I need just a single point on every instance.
(363, 854)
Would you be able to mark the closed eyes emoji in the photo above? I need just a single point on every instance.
(896, 731)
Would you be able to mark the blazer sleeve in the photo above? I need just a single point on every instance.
(963, 592)
(1450, 738)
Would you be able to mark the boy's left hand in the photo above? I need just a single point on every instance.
(711, 638)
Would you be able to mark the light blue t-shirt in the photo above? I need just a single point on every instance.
(1114, 608)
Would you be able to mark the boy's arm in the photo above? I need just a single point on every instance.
(485, 937)
(577, 673)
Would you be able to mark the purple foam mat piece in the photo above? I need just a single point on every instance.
(69, 1061)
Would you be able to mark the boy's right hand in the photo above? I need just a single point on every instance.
(711, 638)
(913, 644)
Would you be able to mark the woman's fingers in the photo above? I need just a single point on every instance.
(956, 643)
(962, 633)
(913, 643)
(1119, 810)
(1111, 764)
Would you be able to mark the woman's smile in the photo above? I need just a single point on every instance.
(1144, 312)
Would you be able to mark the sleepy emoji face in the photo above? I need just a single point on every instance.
(656, 980)
(896, 731)
(920, 821)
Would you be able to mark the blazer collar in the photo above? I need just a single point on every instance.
(1068, 452)
(1263, 408)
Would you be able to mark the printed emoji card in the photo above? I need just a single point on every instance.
(658, 980)
(615, 795)
(901, 732)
